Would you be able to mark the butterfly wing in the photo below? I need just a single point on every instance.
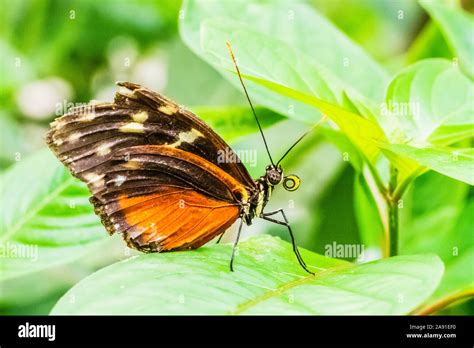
(171, 219)
(87, 137)
(162, 198)
(153, 169)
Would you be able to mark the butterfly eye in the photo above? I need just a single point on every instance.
(291, 182)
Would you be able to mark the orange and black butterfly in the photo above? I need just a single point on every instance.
(155, 173)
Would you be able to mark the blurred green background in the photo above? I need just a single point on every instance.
(55, 52)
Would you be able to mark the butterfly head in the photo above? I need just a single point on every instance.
(274, 176)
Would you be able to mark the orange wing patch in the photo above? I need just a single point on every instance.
(174, 219)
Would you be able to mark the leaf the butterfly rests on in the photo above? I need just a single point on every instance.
(153, 169)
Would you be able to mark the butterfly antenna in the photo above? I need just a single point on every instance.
(250, 102)
(324, 118)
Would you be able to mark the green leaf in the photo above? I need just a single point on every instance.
(441, 221)
(334, 212)
(458, 27)
(429, 43)
(428, 216)
(429, 102)
(453, 162)
(232, 122)
(349, 152)
(47, 219)
(206, 87)
(421, 115)
(408, 169)
(267, 280)
(289, 54)
(380, 32)
(368, 218)
(11, 140)
(13, 69)
(363, 133)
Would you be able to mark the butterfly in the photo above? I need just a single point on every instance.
(156, 173)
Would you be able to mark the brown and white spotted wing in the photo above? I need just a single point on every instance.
(142, 154)
(86, 138)
(162, 198)
(173, 218)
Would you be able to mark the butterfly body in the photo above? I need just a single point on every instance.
(259, 197)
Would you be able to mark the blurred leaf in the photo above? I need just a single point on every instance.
(25, 293)
(458, 27)
(427, 201)
(267, 280)
(408, 169)
(441, 221)
(420, 110)
(288, 54)
(13, 68)
(335, 219)
(61, 38)
(349, 152)
(40, 306)
(47, 219)
(384, 22)
(459, 270)
(11, 141)
(362, 132)
(453, 162)
(429, 215)
(231, 122)
(429, 43)
(199, 83)
(367, 216)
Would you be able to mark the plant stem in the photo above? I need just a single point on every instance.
(376, 177)
(379, 193)
(444, 302)
(392, 203)
(393, 227)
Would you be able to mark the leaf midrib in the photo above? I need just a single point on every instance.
(282, 289)
(33, 211)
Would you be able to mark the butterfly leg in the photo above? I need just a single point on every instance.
(220, 237)
(235, 246)
(265, 216)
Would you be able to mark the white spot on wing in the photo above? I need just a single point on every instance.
(58, 141)
(187, 137)
(135, 233)
(140, 117)
(168, 109)
(132, 127)
(103, 149)
(58, 123)
(125, 91)
(131, 165)
(94, 179)
(86, 117)
(74, 137)
(119, 180)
